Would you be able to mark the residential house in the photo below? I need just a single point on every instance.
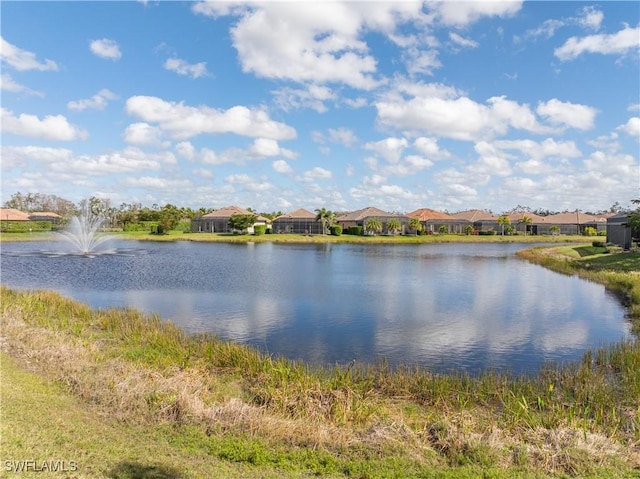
(55, 218)
(570, 223)
(360, 218)
(481, 220)
(218, 221)
(299, 221)
(530, 226)
(619, 232)
(433, 220)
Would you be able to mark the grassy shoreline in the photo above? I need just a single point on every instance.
(300, 238)
(253, 415)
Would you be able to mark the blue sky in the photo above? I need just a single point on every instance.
(280, 105)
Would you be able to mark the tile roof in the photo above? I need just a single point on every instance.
(364, 213)
(229, 211)
(45, 213)
(475, 215)
(424, 214)
(9, 214)
(573, 218)
(299, 213)
(517, 216)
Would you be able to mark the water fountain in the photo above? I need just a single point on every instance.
(83, 232)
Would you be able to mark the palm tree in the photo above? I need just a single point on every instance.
(393, 225)
(374, 225)
(555, 229)
(443, 229)
(415, 224)
(526, 221)
(327, 218)
(468, 229)
(502, 221)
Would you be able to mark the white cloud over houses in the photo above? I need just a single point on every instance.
(98, 101)
(182, 67)
(182, 122)
(105, 48)
(461, 118)
(619, 43)
(23, 60)
(51, 127)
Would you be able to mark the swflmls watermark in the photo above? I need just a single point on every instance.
(35, 465)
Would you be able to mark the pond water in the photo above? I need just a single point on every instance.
(470, 307)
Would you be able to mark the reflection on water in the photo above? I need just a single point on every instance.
(443, 306)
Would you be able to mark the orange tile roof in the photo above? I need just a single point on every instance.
(424, 214)
(9, 214)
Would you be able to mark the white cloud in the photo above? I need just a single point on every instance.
(316, 173)
(420, 61)
(7, 83)
(573, 115)
(460, 118)
(464, 13)
(311, 96)
(314, 42)
(343, 136)
(547, 29)
(281, 166)
(62, 161)
(23, 60)
(182, 122)
(249, 183)
(157, 183)
(266, 147)
(96, 102)
(591, 18)
(182, 67)
(634, 107)
(105, 48)
(390, 148)
(461, 41)
(619, 43)
(50, 128)
(186, 150)
(631, 127)
(144, 134)
(430, 148)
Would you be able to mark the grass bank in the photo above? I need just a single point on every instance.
(203, 407)
(301, 238)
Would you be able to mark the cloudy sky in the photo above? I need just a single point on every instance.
(280, 105)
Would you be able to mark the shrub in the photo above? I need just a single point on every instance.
(336, 230)
(487, 233)
(598, 244)
(259, 230)
(24, 226)
(355, 230)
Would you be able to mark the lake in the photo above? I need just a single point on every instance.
(466, 306)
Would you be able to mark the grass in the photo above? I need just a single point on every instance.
(301, 238)
(204, 402)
